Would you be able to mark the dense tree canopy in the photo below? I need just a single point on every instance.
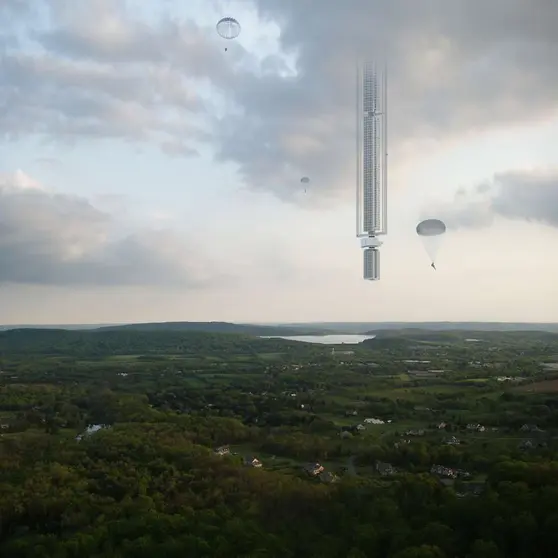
(148, 482)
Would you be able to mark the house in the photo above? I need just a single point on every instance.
(385, 469)
(373, 421)
(414, 433)
(530, 444)
(328, 477)
(346, 353)
(89, 431)
(313, 469)
(360, 427)
(253, 462)
(442, 425)
(442, 471)
(423, 374)
(476, 427)
(453, 441)
(530, 428)
(222, 450)
(413, 361)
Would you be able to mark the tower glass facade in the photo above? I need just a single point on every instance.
(371, 159)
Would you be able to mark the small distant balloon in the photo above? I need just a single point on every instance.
(305, 180)
(228, 28)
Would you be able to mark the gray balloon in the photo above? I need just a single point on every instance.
(431, 227)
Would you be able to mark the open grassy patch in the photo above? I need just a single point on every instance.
(546, 386)
(270, 356)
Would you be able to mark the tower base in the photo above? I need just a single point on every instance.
(371, 271)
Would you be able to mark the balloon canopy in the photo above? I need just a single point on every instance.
(431, 227)
(431, 232)
(228, 28)
(305, 180)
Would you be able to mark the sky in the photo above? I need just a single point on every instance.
(146, 174)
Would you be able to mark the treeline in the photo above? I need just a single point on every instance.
(215, 327)
(101, 343)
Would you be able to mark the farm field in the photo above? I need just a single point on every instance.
(545, 386)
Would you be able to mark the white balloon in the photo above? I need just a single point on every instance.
(431, 232)
(228, 28)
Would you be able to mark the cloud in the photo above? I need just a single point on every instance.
(99, 71)
(526, 196)
(454, 66)
(56, 239)
(68, 101)
(96, 73)
(15, 8)
(52, 162)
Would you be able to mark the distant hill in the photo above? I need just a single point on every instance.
(101, 343)
(69, 327)
(370, 328)
(400, 337)
(464, 326)
(306, 328)
(215, 327)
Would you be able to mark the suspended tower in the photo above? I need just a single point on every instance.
(371, 163)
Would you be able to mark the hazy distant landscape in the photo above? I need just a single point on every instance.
(366, 327)
(308, 328)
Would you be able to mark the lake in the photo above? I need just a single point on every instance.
(324, 339)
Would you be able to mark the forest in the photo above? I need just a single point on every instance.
(135, 443)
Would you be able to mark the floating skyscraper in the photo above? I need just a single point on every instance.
(371, 163)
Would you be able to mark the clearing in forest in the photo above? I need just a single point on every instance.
(546, 386)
